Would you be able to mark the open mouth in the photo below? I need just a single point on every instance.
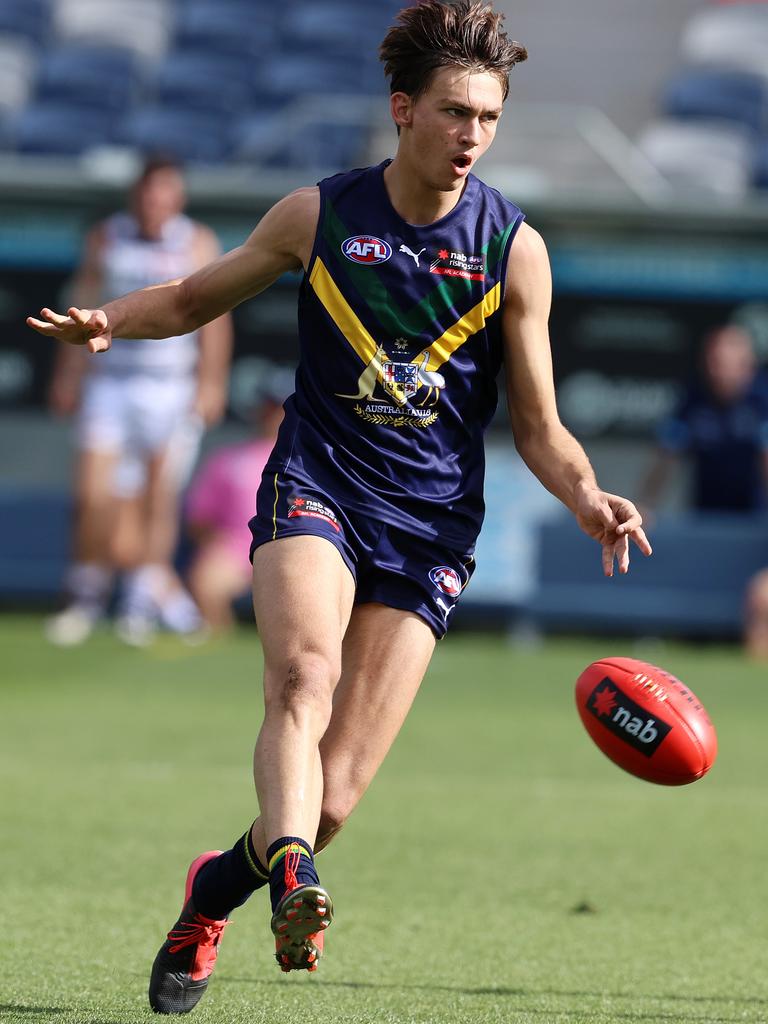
(461, 163)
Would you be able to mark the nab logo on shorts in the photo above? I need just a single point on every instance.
(446, 579)
(366, 249)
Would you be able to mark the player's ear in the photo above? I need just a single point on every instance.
(401, 107)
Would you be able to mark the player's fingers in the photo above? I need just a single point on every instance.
(41, 326)
(54, 318)
(629, 523)
(639, 537)
(608, 559)
(80, 316)
(622, 554)
(97, 343)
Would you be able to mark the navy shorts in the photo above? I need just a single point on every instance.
(390, 566)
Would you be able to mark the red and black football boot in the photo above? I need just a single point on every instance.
(186, 959)
(299, 921)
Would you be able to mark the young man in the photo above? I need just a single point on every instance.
(140, 410)
(419, 279)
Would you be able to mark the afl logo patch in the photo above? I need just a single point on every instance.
(366, 249)
(446, 579)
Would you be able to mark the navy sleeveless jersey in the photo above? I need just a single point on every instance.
(400, 335)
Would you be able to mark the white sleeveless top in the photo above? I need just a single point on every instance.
(130, 262)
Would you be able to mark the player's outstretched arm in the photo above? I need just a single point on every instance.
(282, 241)
(549, 450)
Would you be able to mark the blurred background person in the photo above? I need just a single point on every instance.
(756, 617)
(721, 426)
(220, 502)
(140, 415)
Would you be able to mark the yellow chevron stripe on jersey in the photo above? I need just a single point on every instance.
(441, 350)
(347, 321)
(341, 312)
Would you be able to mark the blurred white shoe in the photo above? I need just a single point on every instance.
(72, 626)
(135, 628)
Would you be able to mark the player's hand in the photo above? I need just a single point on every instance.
(612, 521)
(89, 327)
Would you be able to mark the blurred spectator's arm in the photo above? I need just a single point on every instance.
(655, 481)
(673, 438)
(214, 345)
(70, 361)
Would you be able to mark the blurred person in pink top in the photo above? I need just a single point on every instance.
(220, 502)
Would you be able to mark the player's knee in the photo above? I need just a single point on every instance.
(302, 685)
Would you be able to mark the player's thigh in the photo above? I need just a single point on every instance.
(303, 593)
(386, 652)
(94, 476)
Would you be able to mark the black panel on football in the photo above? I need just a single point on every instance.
(625, 719)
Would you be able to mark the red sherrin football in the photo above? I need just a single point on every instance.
(646, 721)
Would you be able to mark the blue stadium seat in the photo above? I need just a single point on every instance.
(35, 542)
(760, 165)
(30, 18)
(322, 145)
(193, 136)
(295, 74)
(256, 136)
(262, 139)
(335, 26)
(229, 27)
(693, 585)
(60, 128)
(730, 95)
(203, 81)
(92, 76)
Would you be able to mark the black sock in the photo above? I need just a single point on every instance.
(291, 862)
(226, 882)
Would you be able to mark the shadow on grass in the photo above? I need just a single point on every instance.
(520, 993)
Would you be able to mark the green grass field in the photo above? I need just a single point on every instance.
(493, 821)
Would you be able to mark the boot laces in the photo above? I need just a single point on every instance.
(196, 932)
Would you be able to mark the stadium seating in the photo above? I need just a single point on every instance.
(703, 157)
(143, 26)
(760, 166)
(694, 584)
(714, 94)
(734, 37)
(18, 64)
(34, 542)
(62, 129)
(165, 68)
(190, 135)
(231, 27)
(205, 82)
(26, 18)
(89, 76)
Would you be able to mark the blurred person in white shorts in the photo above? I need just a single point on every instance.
(141, 411)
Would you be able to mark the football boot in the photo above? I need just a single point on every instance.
(186, 959)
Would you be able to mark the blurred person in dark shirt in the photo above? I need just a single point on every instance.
(721, 426)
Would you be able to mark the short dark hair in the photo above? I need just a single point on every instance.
(443, 33)
(155, 162)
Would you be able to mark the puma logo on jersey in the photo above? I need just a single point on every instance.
(414, 255)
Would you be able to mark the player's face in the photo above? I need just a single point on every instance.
(449, 127)
(730, 363)
(157, 198)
